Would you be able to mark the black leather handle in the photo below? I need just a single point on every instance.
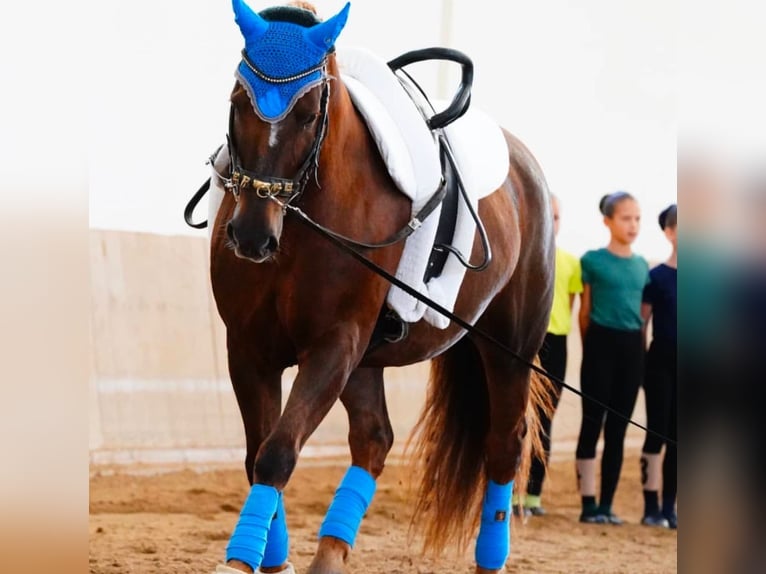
(462, 98)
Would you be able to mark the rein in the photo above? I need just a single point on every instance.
(284, 191)
(348, 246)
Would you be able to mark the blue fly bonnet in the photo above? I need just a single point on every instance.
(282, 60)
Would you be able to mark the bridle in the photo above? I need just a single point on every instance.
(284, 191)
(242, 180)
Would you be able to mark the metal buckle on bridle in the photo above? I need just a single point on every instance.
(232, 185)
(264, 189)
(267, 189)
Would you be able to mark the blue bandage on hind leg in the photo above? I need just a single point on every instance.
(278, 541)
(351, 500)
(248, 541)
(494, 541)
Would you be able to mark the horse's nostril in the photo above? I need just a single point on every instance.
(272, 244)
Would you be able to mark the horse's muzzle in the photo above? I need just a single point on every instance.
(258, 248)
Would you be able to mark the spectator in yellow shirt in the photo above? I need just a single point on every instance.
(553, 356)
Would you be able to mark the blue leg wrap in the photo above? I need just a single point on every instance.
(494, 542)
(351, 500)
(278, 541)
(248, 541)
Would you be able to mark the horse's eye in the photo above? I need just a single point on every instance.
(309, 120)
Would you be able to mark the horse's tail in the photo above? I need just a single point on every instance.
(540, 392)
(449, 447)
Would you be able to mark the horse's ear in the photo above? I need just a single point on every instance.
(250, 22)
(324, 35)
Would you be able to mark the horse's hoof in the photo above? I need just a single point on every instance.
(326, 566)
(225, 569)
(326, 569)
(330, 556)
(288, 569)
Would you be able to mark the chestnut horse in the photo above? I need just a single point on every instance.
(288, 296)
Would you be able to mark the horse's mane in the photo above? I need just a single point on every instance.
(301, 13)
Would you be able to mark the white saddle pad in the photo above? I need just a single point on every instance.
(411, 156)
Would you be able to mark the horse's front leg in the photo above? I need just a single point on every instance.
(323, 371)
(370, 438)
(259, 397)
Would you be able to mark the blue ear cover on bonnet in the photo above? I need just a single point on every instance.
(281, 50)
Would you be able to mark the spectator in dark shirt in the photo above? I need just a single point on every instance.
(661, 385)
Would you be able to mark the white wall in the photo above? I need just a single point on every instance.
(587, 85)
(159, 384)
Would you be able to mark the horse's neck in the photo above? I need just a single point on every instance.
(355, 188)
(348, 134)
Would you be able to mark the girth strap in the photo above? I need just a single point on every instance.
(445, 232)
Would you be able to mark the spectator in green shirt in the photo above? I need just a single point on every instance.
(613, 353)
